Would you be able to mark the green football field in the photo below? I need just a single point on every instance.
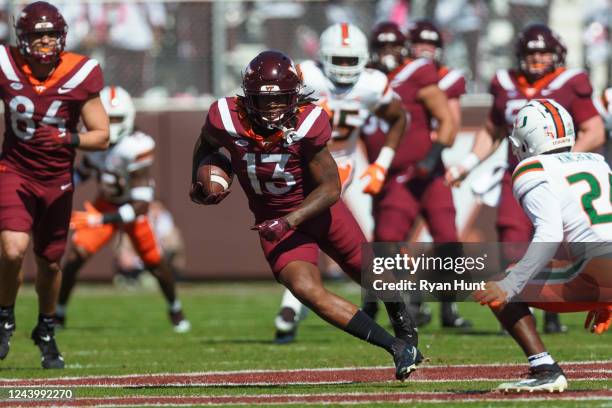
(120, 351)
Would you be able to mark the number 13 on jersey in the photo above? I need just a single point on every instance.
(280, 182)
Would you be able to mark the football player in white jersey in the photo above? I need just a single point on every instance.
(567, 197)
(125, 189)
(349, 93)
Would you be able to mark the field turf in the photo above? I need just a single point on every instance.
(120, 351)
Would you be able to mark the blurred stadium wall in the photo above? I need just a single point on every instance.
(175, 57)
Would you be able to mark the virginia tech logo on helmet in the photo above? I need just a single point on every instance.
(269, 88)
(538, 44)
(43, 25)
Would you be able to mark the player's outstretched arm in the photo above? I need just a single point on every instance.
(95, 120)
(591, 135)
(324, 173)
(141, 195)
(395, 116)
(544, 211)
(486, 142)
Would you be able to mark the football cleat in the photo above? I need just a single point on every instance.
(286, 323)
(547, 377)
(50, 356)
(179, 323)
(7, 328)
(406, 361)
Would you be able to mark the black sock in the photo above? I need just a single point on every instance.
(7, 313)
(364, 328)
(402, 322)
(46, 321)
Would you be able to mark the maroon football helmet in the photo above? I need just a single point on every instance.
(539, 38)
(271, 85)
(387, 46)
(40, 17)
(425, 32)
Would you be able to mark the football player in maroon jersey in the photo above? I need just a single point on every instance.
(415, 184)
(45, 91)
(540, 73)
(277, 142)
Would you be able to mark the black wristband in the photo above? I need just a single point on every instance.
(436, 149)
(111, 218)
(75, 139)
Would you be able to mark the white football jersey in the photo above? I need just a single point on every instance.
(114, 166)
(348, 107)
(571, 191)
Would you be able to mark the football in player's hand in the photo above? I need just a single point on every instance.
(215, 173)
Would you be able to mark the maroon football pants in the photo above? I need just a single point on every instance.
(40, 207)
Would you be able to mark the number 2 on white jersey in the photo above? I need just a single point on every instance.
(587, 199)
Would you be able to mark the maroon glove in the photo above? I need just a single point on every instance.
(273, 230)
(50, 135)
(197, 195)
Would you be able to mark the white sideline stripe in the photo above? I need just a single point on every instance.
(190, 400)
(226, 117)
(220, 180)
(81, 74)
(6, 66)
(266, 383)
(264, 371)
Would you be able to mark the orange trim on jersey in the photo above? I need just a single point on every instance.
(68, 61)
(529, 90)
(556, 117)
(345, 35)
(397, 70)
(442, 71)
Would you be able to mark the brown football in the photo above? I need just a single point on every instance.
(215, 173)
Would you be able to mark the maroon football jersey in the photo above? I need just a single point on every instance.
(407, 81)
(273, 172)
(29, 103)
(452, 82)
(571, 88)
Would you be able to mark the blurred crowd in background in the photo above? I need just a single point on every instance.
(162, 49)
